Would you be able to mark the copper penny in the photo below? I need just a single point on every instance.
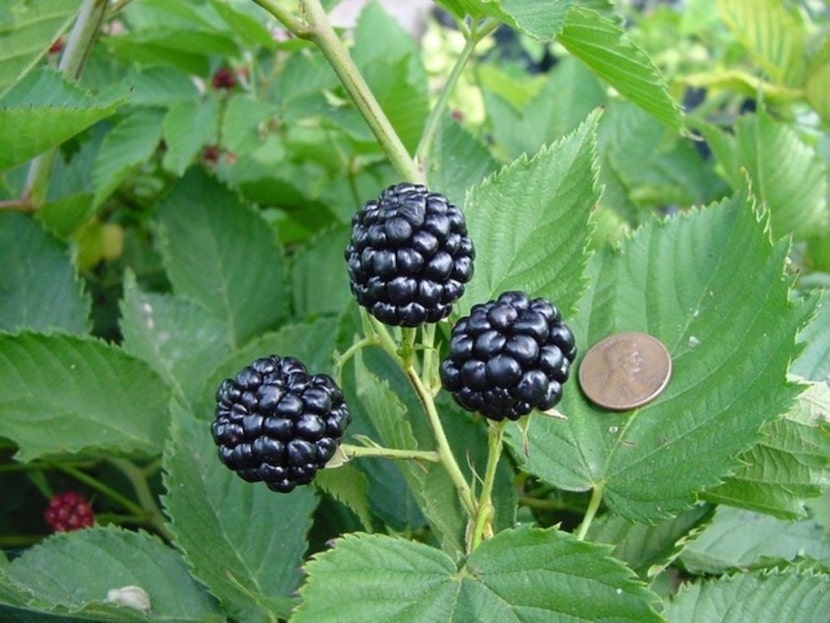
(625, 370)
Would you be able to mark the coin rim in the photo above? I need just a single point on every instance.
(639, 403)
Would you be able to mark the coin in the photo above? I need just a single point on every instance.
(625, 370)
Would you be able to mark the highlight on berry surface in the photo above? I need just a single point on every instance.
(278, 424)
(69, 511)
(508, 357)
(409, 256)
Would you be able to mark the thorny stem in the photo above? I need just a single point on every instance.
(78, 45)
(483, 526)
(444, 451)
(590, 513)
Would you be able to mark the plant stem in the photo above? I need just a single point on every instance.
(590, 513)
(428, 375)
(148, 502)
(293, 25)
(483, 526)
(112, 494)
(444, 451)
(437, 113)
(322, 34)
(78, 45)
(355, 452)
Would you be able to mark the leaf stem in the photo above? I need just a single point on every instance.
(93, 483)
(356, 452)
(443, 446)
(473, 37)
(483, 525)
(590, 513)
(322, 34)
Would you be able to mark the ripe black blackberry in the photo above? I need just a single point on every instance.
(508, 357)
(278, 424)
(409, 256)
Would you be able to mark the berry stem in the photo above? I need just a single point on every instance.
(318, 29)
(443, 446)
(590, 513)
(483, 525)
(356, 452)
(473, 37)
(148, 507)
(429, 374)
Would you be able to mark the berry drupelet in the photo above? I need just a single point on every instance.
(509, 356)
(409, 256)
(278, 424)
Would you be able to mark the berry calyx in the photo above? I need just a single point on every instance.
(69, 511)
(509, 356)
(409, 256)
(278, 424)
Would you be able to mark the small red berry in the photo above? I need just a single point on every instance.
(211, 154)
(56, 47)
(69, 511)
(224, 78)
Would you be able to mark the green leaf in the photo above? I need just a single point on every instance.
(160, 85)
(348, 485)
(222, 254)
(242, 540)
(174, 336)
(39, 287)
(760, 597)
(736, 539)
(679, 280)
(102, 559)
(649, 549)
(794, 189)
(525, 574)
(87, 394)
(127, 146)
(542, 19)
(319, 282)
(773, 34)
(529, 223)
(390, 62)
(654, 166)
(790, 464)
(188, 126)
(608, 50)
(27, 29)
(524, 129)
(43, 111)
(457, 162)
(814, 361)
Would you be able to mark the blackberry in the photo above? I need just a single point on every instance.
(278, 424)
(69, 511)
(508, 357)
(409, 256)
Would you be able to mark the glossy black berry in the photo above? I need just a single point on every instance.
(278, 424)
(409, 256)
(508, 357)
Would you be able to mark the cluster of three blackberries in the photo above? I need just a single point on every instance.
(409, 258)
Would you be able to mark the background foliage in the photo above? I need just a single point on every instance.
(176, 184)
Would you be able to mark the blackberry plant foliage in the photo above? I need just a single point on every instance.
(409, 256)
(278, 424)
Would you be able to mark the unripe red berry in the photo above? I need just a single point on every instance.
(69, 511)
